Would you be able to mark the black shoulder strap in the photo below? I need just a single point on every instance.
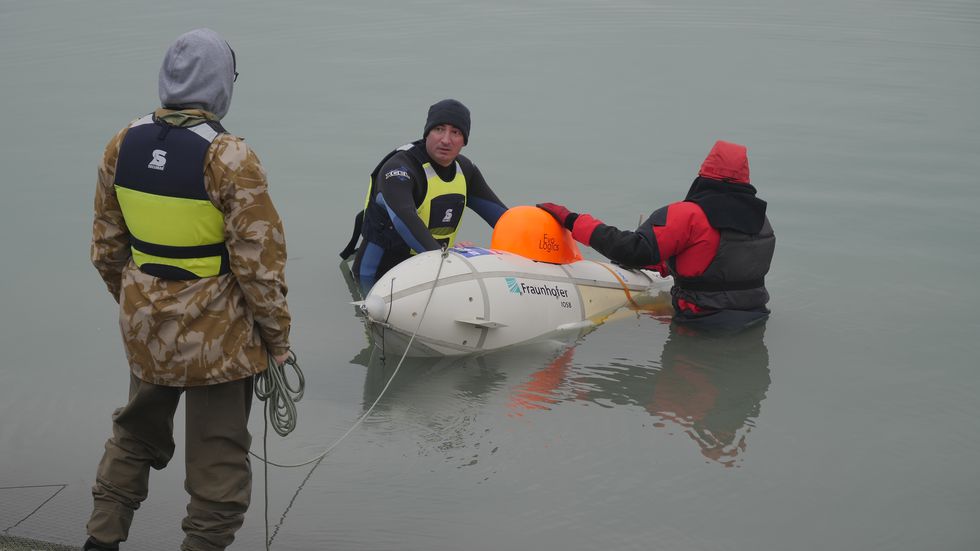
(407, 147)
(352, 244)
(359, 217)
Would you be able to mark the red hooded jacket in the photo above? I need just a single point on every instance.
(683, 238)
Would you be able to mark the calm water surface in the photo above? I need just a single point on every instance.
(850, 422)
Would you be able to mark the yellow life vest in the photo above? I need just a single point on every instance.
(438, 210)
(175, 230)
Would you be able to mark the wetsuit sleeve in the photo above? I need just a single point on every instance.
(110, 250)
(254, 236)
(629, 248)
(482, 200)
(397, 185)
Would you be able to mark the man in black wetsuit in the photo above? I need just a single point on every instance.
(417, 194)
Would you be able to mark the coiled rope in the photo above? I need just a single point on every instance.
(273, 387)
(281, 397)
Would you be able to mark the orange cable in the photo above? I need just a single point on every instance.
(622, 283)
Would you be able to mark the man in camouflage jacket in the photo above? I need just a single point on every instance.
(197, 333)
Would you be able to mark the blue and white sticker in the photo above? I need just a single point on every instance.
(559, 292)
(470, 252)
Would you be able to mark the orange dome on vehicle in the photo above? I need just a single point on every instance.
(535, 234)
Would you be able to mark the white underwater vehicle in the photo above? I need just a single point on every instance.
(469, 300)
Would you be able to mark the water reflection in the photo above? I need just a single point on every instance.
(713, 387)
(709, 386)
(447, 406)
(468, 379)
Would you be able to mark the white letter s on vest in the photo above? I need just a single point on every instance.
(159, 160)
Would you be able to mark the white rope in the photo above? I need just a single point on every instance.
(370, 409)
(282, 397)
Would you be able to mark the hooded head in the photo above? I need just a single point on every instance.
(449, 111)
(198, 72)
(728, 162)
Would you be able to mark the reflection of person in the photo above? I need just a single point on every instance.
(717, 243)
(711, 386)
(189, 243)
(417, 194)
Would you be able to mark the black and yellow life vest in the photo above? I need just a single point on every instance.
(442, 207)
(175, 231)
(441, 210)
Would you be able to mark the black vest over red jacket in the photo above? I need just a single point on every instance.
(735, 277)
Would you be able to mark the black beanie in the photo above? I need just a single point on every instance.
(449, 111)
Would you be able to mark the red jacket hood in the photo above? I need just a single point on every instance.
(728, 162)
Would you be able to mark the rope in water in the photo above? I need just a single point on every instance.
(38, 508)
(273, 387)
(282, 397)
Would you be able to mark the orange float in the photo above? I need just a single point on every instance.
(533, 233)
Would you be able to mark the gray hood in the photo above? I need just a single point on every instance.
(198, 72)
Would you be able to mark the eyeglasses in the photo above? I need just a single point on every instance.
(234, 63)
